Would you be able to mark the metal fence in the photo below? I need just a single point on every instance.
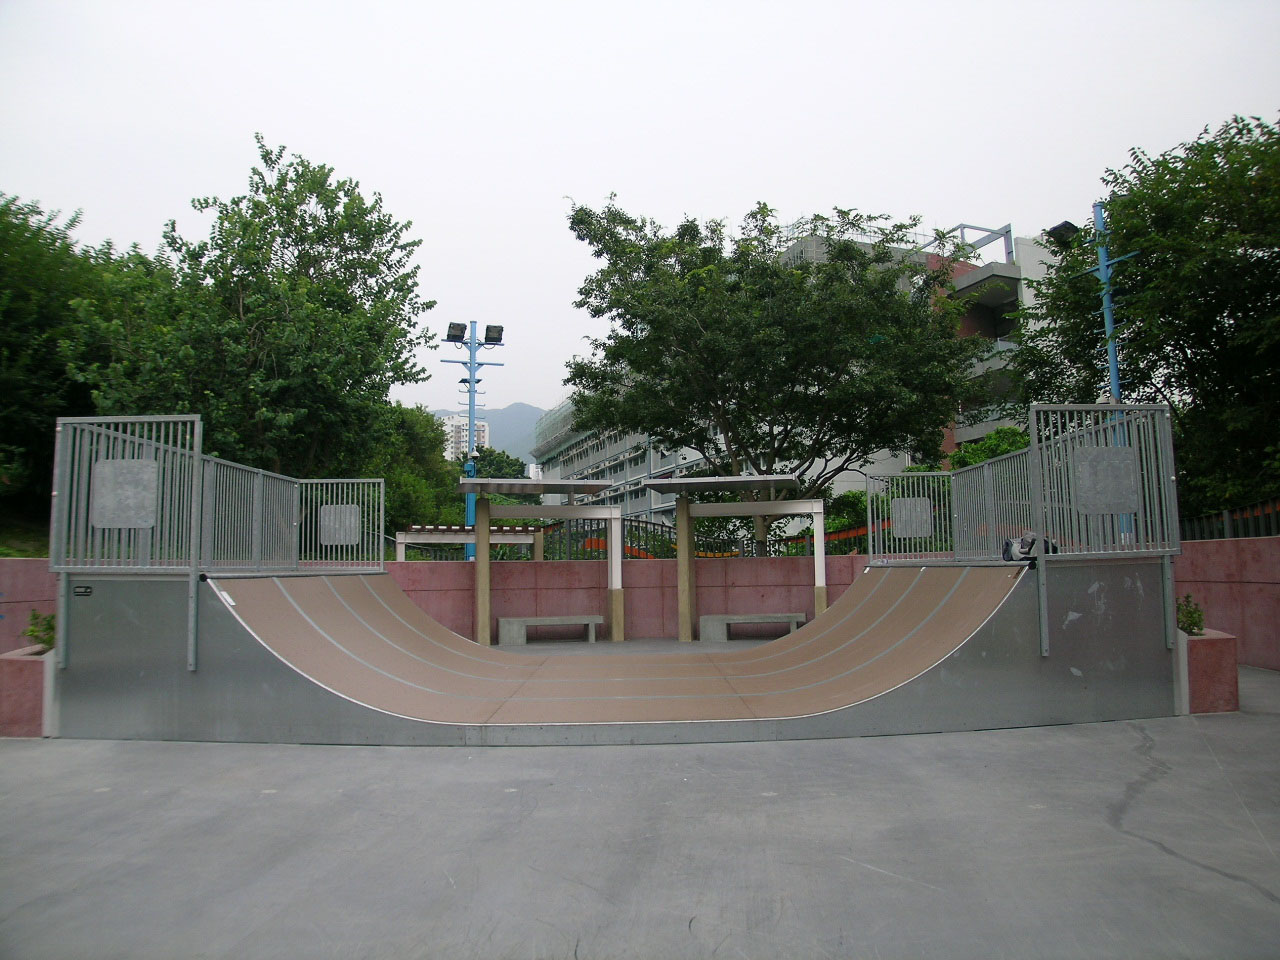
(340, 524)
(250, 519)
(993, 503)
(135, 494)
(647, 540)
(1260, 519)
(1103, 479)
(1096, 481)
(125, 494)
(909, 516)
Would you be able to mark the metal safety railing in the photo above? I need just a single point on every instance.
(1104, 480)
(135, 494)
(1261, 519)
(340, 524)
(993, 503)
(250, 519)
(909, 517)
(125, 492)
(1096, 481)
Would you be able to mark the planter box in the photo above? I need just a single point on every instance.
(22, 692)
(1213, 679)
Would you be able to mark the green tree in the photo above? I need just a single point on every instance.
(285, 328)
(497, 463)
(408, 452)
(764, 365)
(1197, 308)
(997, 443)
(42, 271)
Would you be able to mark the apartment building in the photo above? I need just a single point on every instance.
(994, 289)
(455, 435)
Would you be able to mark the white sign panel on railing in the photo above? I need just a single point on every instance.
(123, 494)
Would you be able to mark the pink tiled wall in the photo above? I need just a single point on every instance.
(1237, 583)
(1213, 680)
(521, 588)
(25, 585)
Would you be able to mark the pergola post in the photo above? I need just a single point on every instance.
(483, 600)
(617, 609)
(487, 512)
(684, 570)
(819, 560)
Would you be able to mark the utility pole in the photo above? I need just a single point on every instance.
(459, 335)
(1103, 272)
(1063, 234)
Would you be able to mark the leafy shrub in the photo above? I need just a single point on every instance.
(40, 629)
(1190, 616)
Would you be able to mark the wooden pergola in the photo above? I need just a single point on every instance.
(686, 511)
(486, 511)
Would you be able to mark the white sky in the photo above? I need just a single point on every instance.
(478, 121)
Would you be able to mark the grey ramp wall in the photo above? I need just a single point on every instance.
(1108, 660)
(127, 679)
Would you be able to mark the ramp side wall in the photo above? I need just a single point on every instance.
(1107, 658)
(127, 676)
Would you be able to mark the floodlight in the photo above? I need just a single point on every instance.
(457, 333)
(1063, 233)
(493, 334)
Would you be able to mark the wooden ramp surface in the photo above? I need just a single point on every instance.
(361, 637)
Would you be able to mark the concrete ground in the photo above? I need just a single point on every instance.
(1143, 839)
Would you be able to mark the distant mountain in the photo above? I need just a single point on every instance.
(510, 428)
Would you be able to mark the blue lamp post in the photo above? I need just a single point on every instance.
(1063, 233)
(458, 334)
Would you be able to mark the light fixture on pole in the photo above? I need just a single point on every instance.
(1063, 233)
(458, 334)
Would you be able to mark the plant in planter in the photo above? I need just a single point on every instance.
(40, 629)
(1190, 616)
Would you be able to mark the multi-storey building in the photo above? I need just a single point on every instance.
(455, 435)
(994, 291)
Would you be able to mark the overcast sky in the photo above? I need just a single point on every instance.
(479, 121)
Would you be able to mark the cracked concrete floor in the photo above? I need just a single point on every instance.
(1157, 838)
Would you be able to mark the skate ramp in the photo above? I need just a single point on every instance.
(362, 638)
(351, 659)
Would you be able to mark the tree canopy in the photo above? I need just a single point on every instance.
(997, 443)
(407, 450)
(42, 271)
(285, 328)
(1197, 308)
(497, 463)
(763, 364)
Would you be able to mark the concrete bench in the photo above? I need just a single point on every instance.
(715, 627)
(516, 629)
